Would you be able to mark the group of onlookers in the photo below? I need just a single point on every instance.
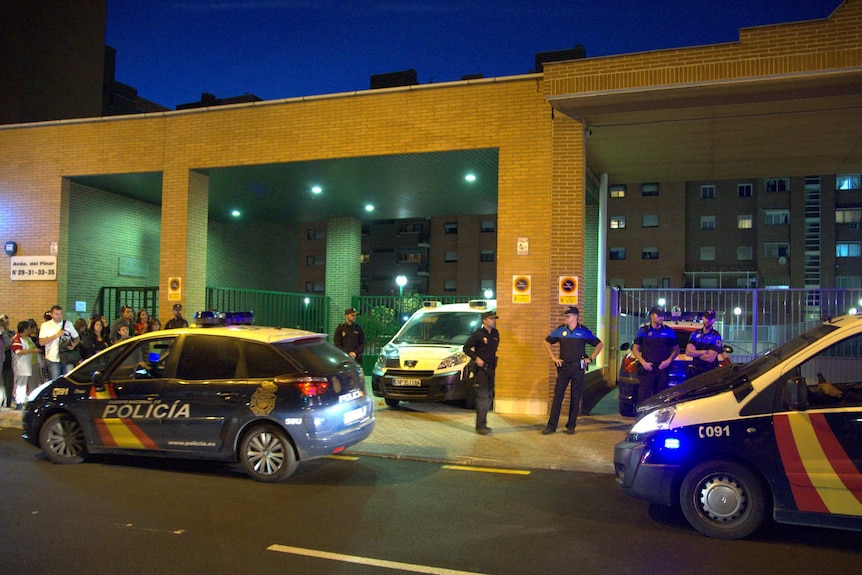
(37, 353)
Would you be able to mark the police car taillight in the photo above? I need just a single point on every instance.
(308, 386)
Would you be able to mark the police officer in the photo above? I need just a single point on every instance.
(349, 336)
(571, 364)
(655, 348)
(481, 346)
(705, 345)
(178, 321)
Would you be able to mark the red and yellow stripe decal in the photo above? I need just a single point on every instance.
(822, 477)
(123, 433)
(107, 393)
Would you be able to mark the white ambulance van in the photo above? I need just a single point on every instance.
(425, 361)
(779, 437)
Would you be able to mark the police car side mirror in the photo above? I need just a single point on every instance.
(795, 394)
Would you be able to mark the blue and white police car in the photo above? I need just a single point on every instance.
(779, 436)
(266, 397)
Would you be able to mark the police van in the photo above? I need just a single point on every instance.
(425, 361)
(779, 436)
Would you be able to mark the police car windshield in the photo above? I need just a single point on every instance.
(450, 328)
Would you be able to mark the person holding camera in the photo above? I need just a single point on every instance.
(59, 337)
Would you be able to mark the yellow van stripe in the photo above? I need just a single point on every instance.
(821, 473)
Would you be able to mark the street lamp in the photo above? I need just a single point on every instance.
(401, 281)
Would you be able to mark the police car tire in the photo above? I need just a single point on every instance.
(62, 440)
(267, 454)
(391, 402)
(724, 499)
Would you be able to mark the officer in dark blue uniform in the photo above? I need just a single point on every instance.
(481, 346)
(705, 345)
(655, 347)
(571, 364)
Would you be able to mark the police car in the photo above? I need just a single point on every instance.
(683, 325)
(779, 436)
(266, 397)
(425, 361)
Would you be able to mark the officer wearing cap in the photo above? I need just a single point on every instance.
(655, 347)
(178, 321)
(573, 360)
(481, 346)
(349, 336)
(705, 345)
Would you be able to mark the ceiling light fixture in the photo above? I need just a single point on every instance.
(470, 177)
(316, 189)
(369, 208)
(236, 213)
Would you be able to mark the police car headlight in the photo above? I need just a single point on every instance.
(453, 360)
(655, 420)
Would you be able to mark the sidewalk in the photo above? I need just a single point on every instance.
(445, 433)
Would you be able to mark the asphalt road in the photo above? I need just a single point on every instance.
(362, 515)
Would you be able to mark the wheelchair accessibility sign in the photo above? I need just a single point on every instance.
(569, 290)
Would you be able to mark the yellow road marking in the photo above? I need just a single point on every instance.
(343, 457)
(487, 469)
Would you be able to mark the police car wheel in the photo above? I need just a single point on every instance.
(62, 440)
(723, 499)
(391, 402)
(267, 454)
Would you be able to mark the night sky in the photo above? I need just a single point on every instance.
(174, 50)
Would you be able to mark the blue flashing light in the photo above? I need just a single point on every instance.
(671, 443)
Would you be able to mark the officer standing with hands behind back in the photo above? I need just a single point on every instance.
(481, 346)
(655, 348)
(571, 365)
(349, 336)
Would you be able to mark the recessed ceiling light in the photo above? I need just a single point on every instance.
(236, 213)
(369, 208)
(316, 189)
(470, 177)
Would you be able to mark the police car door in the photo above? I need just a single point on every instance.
(820, 442)
(125, 403)
(208, 392)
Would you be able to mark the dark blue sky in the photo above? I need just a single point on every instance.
(173, 50)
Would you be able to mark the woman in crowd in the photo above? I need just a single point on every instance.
(96, 338)
(142, 323)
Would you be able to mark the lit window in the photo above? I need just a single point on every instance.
(618, 254)
(848, 182)
(745, 190)
(707, 222)
(618, 222)
(617, 190)
(707, 192)
(649, 221)
(848, 215)
(744, 222)
(707, 253)
(776, 217)
(649, 253)
(848, 250)
(649, 189)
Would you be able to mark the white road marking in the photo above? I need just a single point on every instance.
(132, 526)
(369, 561)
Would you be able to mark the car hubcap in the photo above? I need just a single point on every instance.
(722, 499)
(266, 453)
(65, 439)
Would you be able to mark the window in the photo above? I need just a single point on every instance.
(487, 226)
(450, 285)
(744, 222)
(365, 258)
(618, 253)
(649, 253)
(316, 234)
(450, 256)
(848, 249)
(745, 190)
(486, 285)
(707, 192)
(263, 361)
(317, 260)
(208, 357)
(410, 256)
(707, 222)
(776, 217)
(450, 227)
(775, 250)
(707, 253)
(650, 189)
(777, 185)
(649, 221)
(486, 256)
(649, 283)
(848, 182)
(848, 215)
(744, 253)
(617, 190)
(411, 228)
(618, 222)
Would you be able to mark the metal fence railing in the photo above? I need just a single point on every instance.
(752, 321)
